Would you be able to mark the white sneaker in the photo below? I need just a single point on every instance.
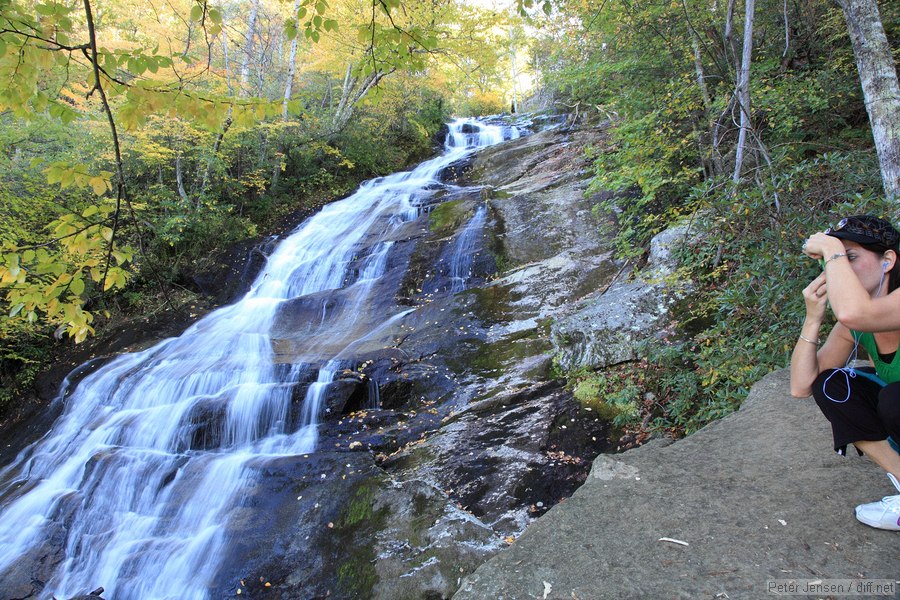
(884, 514)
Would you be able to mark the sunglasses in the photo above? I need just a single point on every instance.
(878, 231)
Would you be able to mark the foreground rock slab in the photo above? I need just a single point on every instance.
(757, 496)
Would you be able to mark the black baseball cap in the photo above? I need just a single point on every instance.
(873, 232)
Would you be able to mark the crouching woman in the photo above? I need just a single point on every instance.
(861, 281)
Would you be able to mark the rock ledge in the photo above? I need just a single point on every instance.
(757, 496)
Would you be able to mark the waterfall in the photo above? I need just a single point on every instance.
(138, 477)
(463, 248)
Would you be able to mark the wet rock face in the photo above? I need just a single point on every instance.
(446, 432)
(233, 270)
(337, 526)
(606, 330)
(472, 438)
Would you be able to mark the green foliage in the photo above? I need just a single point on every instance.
(670, 156)
(614, 393)
(656, 156)
(741, 320)
(201, 164)
(23, 355)
(56, 243)
(398, 130)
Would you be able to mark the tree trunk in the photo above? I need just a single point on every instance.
(187, 43)
(227, 67)
(179, 179)
(352, 92)
(729, 32)
(288, 89)
(878, 77)
(292, 67)
(709, 166)
(215, 154)
(249, 39)
(743, 88)
(515, 71)
(701, 75)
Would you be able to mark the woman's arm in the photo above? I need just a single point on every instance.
(850, 301)
(806, 363)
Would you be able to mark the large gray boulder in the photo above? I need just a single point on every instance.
(755, 497)
(605, 329)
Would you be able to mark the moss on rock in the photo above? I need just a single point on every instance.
(446, 217)
(360, 519)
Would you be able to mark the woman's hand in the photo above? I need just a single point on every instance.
(816, 298)
(820, 245)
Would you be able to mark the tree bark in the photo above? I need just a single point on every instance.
(878, 77)
(227, 67)
(179, 179)
(515, 70)
(742, 92)
(288, 89)
(292, 67)
(729, 32)
(352, 92)
(701, 74)
(706, 155)
(249, 39)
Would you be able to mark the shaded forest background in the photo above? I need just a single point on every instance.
(142, 138)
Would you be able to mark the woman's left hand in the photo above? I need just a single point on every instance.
(815, 295)
(819, 245)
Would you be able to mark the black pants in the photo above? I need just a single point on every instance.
(867, 411)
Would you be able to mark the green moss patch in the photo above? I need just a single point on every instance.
(492, 359)
(446, 217)
(493, 304)
(359, 521)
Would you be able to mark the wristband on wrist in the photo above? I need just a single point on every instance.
(806, 339)
(834, 256)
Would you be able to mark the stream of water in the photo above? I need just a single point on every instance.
(129, 483)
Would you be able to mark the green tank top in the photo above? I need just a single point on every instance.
(889, 372)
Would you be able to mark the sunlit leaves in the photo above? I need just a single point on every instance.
(315, 25)
(167, 65)
(523, 6)
(393, 47)
(51, 281)
(67, 175)
(388, 5)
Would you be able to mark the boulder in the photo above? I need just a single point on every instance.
(607, 328)
(757, 497)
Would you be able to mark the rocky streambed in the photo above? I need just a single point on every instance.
(451, 429)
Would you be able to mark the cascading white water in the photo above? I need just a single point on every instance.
(153, 450)
(462, 257)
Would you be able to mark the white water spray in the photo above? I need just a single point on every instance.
(139, 475)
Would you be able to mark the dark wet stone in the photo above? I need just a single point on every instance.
(471, 438)
(367, 531)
